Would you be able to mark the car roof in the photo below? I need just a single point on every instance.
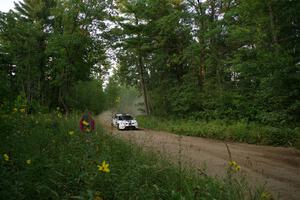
(120, 114)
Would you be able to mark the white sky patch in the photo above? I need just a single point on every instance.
(6, 5)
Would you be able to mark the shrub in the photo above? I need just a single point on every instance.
(48, 158)
(240, 131)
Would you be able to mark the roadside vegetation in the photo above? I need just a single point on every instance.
(212, 60)
(242, 131)
(44, 156)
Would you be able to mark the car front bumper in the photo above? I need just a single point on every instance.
(123, 127)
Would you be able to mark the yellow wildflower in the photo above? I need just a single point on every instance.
(232, 163)
(28, 162)
(118, 99)
(71, 132)
(22, 110)
(15, 110)
(103, 167)
(6, 157)
(266, 195)
(85, 123)
(98, 196)
(234, 166)
(176, 2)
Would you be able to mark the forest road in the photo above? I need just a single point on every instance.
(277, 168)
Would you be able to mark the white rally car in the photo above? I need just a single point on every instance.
(124, 121)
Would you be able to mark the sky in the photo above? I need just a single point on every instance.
(6, 5)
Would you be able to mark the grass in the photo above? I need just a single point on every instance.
(48, 158)
(235, 131)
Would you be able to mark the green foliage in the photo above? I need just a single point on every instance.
(20, 101)
(130, 101)
(49, 46)
(63, 165)
(87, 95)
(242, 131)
(112, 93)
(214, 59)
(210, 59)
(206, 60)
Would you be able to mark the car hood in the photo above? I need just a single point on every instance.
(131, 121)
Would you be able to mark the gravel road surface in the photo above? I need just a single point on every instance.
(276, 167)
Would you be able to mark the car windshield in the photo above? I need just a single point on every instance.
(126, 117)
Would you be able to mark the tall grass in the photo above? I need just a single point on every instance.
(48, 158)
(232, 131)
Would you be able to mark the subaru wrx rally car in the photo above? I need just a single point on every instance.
(124, 121)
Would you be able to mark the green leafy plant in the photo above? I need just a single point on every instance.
(45, 156)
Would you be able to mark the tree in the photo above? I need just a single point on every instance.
(133, 37)
(50, 45)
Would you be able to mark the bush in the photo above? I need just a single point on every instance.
(87, 95)
(48, 158)
(240, 131)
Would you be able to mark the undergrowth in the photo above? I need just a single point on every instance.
(230, 131)
(46, 157)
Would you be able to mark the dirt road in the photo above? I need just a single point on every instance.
(276, 167)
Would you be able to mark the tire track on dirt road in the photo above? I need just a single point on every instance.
(276, 167)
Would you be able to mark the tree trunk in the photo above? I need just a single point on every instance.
(200, 13)
(141, 72)
(42, 90)
(272, 25)
(28, 86)
(143, 84)
(202, 60)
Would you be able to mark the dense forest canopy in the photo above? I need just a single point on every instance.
(48, 46)
(213, 59)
